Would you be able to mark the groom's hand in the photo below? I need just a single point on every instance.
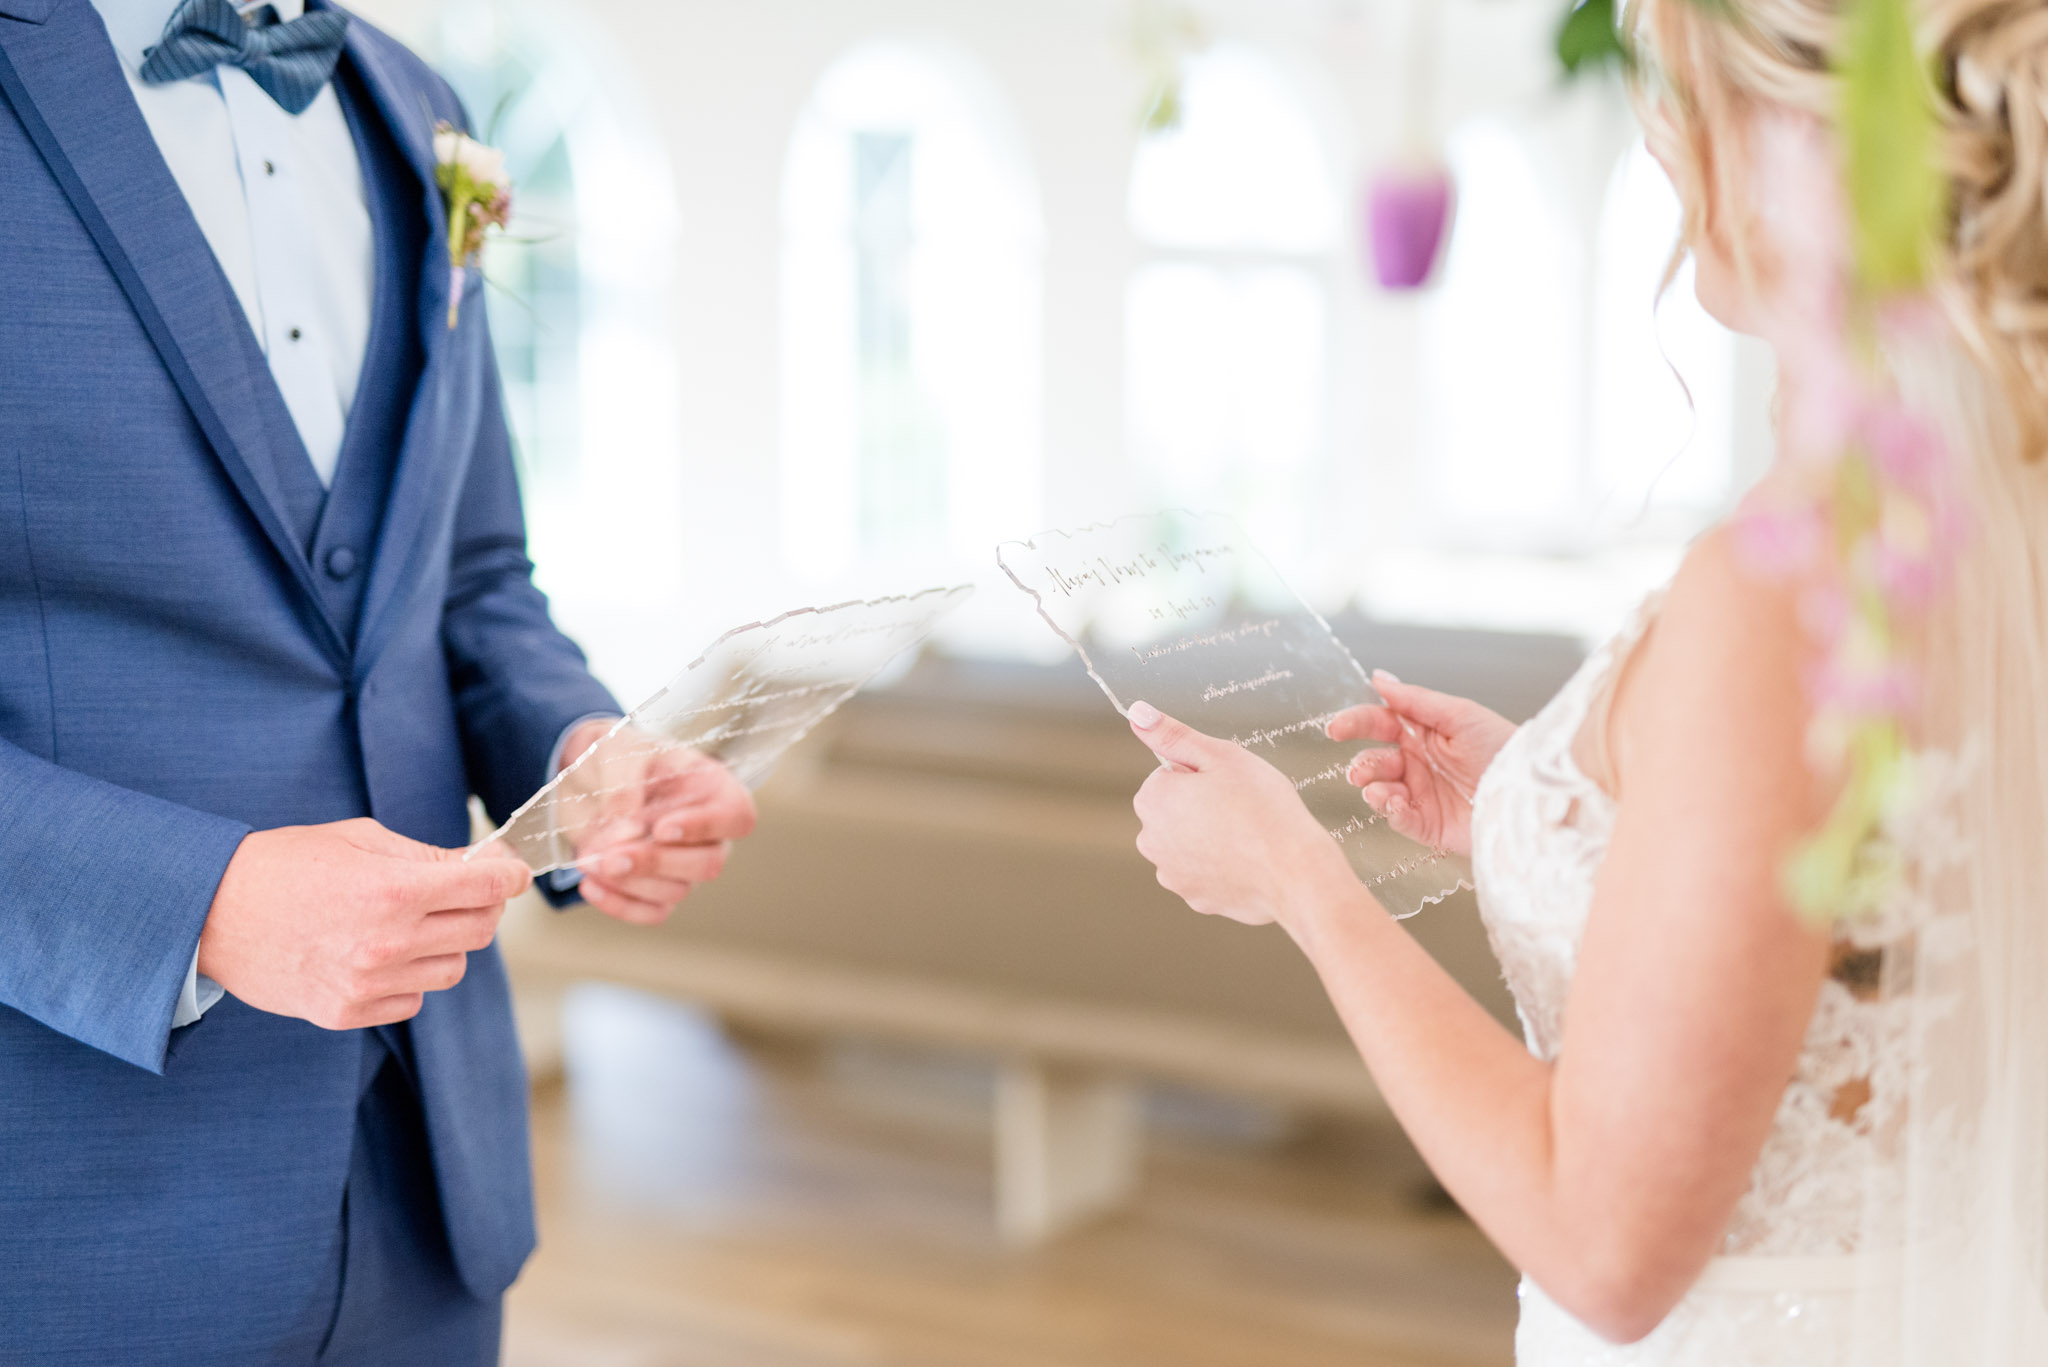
(669, 818)
(350, 925)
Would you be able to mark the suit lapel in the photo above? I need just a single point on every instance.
(439, 432)
(67, 87)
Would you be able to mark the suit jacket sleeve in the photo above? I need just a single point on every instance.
(106, 892)
(519, 682)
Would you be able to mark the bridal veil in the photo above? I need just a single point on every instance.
(1935, 1188)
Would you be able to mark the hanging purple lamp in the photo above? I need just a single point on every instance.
(1408, 216)
(1408, 207)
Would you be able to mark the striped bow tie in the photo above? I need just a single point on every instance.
(291, 62)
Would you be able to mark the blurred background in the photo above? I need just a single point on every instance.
(810, 299)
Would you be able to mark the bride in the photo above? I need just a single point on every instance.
(1733, 1137)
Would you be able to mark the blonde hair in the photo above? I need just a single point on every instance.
(1709, 69)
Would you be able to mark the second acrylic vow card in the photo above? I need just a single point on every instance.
(1181, 611)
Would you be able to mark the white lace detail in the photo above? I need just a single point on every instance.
(1540, 830)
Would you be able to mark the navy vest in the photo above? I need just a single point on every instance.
(337, 526)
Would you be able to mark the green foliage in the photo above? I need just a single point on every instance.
(1589, 39)
(1896, 195)
(1848, 867)
(1163, 109)
(460, 193)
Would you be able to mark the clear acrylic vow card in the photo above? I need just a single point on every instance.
(1179, 610)
(756, 691)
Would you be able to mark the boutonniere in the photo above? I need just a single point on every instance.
(478, 195)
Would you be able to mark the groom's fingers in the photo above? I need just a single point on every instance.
(677, 863)
(718, 809)
(428, 973)
(458, 932)
(447, 883)
(622, 800)
(685, 863)
(708, 825)
(387, 1011)
(651, 872)
(620, 906)
(665, 893)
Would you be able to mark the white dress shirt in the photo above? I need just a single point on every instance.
(280, 198)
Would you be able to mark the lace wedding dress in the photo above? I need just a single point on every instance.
(1785, 1291)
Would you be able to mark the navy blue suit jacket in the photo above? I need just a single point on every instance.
(178, 666)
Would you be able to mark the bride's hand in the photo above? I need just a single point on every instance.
(1226, 830)
(1423, 781)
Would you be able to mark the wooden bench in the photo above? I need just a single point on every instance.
(949, 863)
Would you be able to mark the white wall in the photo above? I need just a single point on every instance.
(717, 85)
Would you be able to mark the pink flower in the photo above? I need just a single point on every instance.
(1905, 446)
(1905, 557)
(1824, 611)
(1861, 676)
(1806, 224)
(1889, 689)
(1910, 317)
(1910, 580)
(1824, 404)
(1951, 523)
(1781, 541)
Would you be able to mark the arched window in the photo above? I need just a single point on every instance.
(1662, 456)
(578, 295)
(536, 323)
(1564, 465)
(911, 280)
(1503, 347)
(1227, 320)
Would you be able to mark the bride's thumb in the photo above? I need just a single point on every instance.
(1174, 742)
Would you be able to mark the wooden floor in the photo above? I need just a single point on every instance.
(712, 1203)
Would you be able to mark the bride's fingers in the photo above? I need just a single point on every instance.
(1425, 707)
(1368, 722)
(1377, 766)
(1390, 800)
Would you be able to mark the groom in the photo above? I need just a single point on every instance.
(266, 621)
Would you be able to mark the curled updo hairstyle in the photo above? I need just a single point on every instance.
(1708, 68)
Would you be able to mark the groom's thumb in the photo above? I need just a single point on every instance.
(1175, 742)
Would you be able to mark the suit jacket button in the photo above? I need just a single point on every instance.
(341, 562)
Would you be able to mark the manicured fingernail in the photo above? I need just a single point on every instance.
(1144, 715)
(1382, 676)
